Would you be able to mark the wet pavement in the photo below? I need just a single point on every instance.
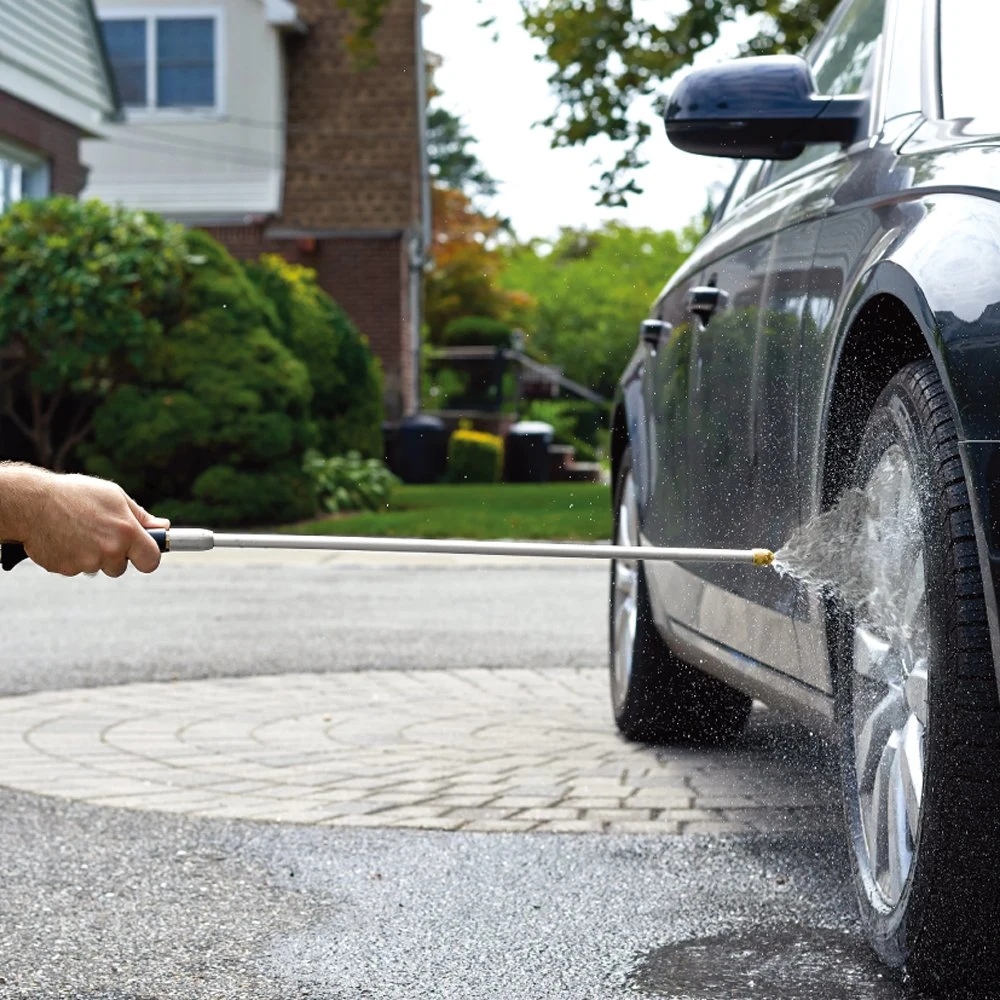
(743, 891)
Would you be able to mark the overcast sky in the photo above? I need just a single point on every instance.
(500, 91)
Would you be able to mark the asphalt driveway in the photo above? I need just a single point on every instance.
(377, 730)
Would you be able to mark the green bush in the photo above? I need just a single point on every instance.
(86, 291)
(349, 482)
(345, 376)
(216, 426)
(574, 422)
(474, 457)
(477, 331)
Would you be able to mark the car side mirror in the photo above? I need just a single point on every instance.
(760, 108)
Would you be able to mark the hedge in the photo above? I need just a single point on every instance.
(477, 331)
(474, 457)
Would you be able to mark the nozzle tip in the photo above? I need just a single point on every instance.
(763, 557)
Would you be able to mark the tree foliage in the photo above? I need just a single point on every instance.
(85, 291)
(605, 54)
(465, 277)
(591, 291)
(453, 163)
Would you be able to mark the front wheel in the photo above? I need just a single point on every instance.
(654, 696)
(916, 696)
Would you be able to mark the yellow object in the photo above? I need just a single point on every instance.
(763, 557)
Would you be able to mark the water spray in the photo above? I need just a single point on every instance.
(203, 540)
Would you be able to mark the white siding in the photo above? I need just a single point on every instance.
(50, 57)
(204, 167)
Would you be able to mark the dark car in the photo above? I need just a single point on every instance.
(838, 330)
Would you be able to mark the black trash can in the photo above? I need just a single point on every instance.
(421, 449)
(526, 452)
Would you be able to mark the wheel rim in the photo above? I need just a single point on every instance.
(625, 592)
(889, 689)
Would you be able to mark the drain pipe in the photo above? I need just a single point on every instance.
(420, 242)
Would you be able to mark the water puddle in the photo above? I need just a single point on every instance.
(776, 963)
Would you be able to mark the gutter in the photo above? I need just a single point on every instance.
(117, 113)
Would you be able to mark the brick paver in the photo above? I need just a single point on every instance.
(504, 750)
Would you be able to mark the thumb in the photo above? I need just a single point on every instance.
(143, 516)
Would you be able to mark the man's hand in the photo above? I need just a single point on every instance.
(75, 524)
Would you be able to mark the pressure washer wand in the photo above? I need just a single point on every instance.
(201, 540)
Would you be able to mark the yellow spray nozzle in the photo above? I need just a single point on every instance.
(763, 557)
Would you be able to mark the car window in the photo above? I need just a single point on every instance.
(741, 188)
(843, 63)
(902, 88)
(968, 49)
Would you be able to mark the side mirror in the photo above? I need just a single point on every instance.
(761, 108)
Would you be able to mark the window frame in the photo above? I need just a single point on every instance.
(36, 170)
(875, 100)
(151, 15)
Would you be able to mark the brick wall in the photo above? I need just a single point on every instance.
(352, 165)
(353, 153)
(368, 277)
(57, 140)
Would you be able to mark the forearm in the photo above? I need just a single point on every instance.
(22, 488)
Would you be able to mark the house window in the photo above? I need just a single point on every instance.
(164, 61)
(22, 175)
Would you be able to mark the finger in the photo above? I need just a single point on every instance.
(144, 553)
(143, 516)
(114, 567)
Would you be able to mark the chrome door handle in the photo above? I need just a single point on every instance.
(703, 301)
(652, 331)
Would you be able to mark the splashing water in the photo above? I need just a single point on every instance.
(867, 550)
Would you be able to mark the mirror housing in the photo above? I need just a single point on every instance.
(760, 108)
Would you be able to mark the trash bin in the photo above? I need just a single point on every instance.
(526, 452)
(421, 449)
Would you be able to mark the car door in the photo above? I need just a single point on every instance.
(745, 366)
(849, 192)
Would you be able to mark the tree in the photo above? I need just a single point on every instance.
(465, 280)
(452, 163)
(85, 292)
(604, 56)
(591, 291)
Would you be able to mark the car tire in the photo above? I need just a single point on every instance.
(655, 697)
(916, 699)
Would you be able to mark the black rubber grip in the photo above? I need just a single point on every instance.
(11, 553)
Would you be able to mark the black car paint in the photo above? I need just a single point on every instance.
(915, 219)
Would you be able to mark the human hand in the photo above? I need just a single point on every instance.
(76, 524)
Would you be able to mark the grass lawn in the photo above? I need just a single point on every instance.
(570, 511)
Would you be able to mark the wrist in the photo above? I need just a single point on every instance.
(22, 495)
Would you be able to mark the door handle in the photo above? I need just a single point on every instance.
(703, 301)
(652, 332)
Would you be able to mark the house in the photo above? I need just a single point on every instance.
(55, 89)
(250, 119)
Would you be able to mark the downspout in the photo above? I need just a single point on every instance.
(420, 242)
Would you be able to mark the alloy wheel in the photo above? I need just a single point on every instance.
(625, 594)
(889, 681)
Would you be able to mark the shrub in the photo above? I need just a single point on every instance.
(477, 331)
(574, 422)
(216, 426)
(345, 377)
(475, 457)
(349, 482)
(86, 290)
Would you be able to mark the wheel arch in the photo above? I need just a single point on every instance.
(892, 302)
